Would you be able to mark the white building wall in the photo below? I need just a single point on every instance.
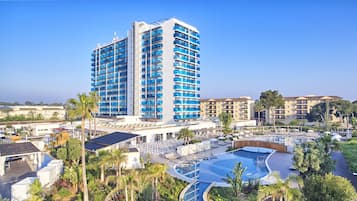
(168, 68)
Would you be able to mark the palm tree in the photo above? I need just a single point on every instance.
(271, 100)
(124, 181)
(132, 182)
(94, 108)
(236, 180)
(259, 107)
(156, 171)
(226, 120)
(80, 108)
(103, 160)
(72, 174)
(185, 134)
(118, 157)
(288, 190)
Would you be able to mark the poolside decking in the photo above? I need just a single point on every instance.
(281, 162)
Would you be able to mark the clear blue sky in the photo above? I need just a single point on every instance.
(298, 47)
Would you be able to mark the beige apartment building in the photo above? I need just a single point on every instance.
(297, 107)
(45, 112)
(241, 108)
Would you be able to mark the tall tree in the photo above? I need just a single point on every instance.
(281, 190)
(103, 160)
(156, 171)
(71, 152)
(271, 100)
(118, 157)
(94, 108)
(185, 134)
(133, 183)
(259, 107)
(328, 188)
(80, 109)
(236, 179)
(313, 158)
(72, 174)
(226, 120)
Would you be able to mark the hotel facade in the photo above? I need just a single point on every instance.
(153, 73)
(296, 108)
(241, 109)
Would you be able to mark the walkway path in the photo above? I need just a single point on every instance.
(342, 168)
(281, 162)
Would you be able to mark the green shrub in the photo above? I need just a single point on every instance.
(194, 141)
(349, 150)
(354, 133)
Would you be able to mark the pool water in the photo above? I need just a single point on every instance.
(46, 158)
(216, 169)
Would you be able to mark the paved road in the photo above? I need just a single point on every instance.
(342, 168)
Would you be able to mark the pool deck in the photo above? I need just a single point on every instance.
(281, 162)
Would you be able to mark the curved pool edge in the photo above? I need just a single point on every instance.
(267, 165)
(178, 175)
(205, 193)
(173, 172)
(183, 192)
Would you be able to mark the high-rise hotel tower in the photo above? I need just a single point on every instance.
(153, 73)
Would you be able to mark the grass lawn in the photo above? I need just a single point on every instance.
(349, 150)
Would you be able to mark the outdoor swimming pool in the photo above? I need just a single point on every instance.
(216, 168)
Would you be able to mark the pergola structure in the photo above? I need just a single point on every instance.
(8, 151)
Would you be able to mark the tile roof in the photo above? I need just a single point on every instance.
(17, 148)
(107, 140)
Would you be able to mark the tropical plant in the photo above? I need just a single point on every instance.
(118, 157)
(35, 191)
(97, 191)
(226, 120)
(63, 194)
(282, 190)
(81, 108)
(328, 188)
(132, 179)
(236, 179)
(313, 158)
(185, 134)
(71, 152)
(271, 100)
(104, 159)
(94, 108)
(259, 107)
(72, 174)
(156, 171)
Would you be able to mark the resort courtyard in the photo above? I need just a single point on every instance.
(209, 168)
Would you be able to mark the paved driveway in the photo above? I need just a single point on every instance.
(342, 168)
